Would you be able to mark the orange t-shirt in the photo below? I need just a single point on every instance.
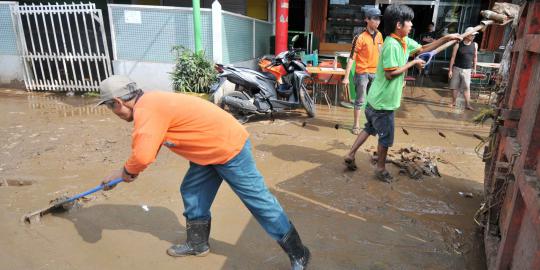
(192, 127)
(365, 51)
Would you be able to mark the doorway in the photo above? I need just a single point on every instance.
(297, 18)
(423, 16)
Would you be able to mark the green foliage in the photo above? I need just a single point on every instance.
(484, 115)
(91, 94)
(192, 71)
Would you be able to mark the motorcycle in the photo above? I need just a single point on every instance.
(281, 86)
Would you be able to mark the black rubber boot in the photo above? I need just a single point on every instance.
(298, 253)
(196, 244)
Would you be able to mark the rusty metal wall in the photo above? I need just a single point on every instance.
(493, 35)
(512, 185)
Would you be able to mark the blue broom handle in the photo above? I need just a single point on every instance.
(98, 188)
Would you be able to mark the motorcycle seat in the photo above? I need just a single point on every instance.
(269, 76)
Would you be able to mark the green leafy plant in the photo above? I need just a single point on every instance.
(484, 115)
(192, 71)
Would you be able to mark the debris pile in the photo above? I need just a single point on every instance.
(411, 161)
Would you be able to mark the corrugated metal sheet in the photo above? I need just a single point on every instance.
(512, 182)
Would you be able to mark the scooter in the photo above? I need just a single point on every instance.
(282, 87)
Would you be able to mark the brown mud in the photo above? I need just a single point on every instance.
(55, 145)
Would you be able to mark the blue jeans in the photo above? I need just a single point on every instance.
(201, 184)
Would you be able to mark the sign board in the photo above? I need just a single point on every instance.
(132, 16)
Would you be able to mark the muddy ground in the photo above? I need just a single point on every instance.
(55, 145)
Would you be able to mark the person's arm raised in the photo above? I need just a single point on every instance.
(390, 74)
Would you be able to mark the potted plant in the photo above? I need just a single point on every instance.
(193, 73)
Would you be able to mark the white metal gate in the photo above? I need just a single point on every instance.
(63, 46)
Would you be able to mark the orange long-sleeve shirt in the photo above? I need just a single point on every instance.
(190, 126)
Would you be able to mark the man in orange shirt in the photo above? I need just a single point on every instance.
(365, 51)
(218, 149)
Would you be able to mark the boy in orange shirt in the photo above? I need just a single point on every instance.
(218, 149)
(365, 51)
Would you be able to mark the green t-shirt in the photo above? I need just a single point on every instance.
(385, 94)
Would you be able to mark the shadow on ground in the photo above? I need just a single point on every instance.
(348, 220)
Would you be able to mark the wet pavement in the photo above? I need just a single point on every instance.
(54, 145)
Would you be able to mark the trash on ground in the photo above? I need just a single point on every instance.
(466, 194)
(413, 162)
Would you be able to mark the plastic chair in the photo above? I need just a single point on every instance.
(410, 79)
(480, 83)
(313, 58)
(322, 81)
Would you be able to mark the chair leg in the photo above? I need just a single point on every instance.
(336, 93)
(411, 86)
(327, 98)
(315, 93)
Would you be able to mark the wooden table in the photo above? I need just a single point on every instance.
(326, 70)
(489, 65)
(483, 64)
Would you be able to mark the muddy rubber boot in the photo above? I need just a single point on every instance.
(196, 244)
(298, 253)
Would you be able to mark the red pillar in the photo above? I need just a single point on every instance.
(282, 25)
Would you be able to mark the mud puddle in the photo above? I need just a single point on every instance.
(15, 183)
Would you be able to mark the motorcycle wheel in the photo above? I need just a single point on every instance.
(240, 116)
(307, 101)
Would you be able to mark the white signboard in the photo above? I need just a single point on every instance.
(132, 16)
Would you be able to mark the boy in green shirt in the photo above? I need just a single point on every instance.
(384, 95)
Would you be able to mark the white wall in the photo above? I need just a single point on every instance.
(155, 76)
(147, 75)
(11, 71)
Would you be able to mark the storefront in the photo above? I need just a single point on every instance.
(341, 20)
(448, 16)
(345, 20)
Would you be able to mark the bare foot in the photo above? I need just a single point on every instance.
(451, 105)
(470, 108)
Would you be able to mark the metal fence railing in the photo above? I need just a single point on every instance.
(244, 38)
(8, 39)
(63, 47)
(148, 33)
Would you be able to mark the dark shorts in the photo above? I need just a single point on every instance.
(381, 123)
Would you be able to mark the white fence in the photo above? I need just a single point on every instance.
(148, 33)
(63, 46)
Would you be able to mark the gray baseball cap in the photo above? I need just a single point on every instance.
(115, 86)
(372, 13)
